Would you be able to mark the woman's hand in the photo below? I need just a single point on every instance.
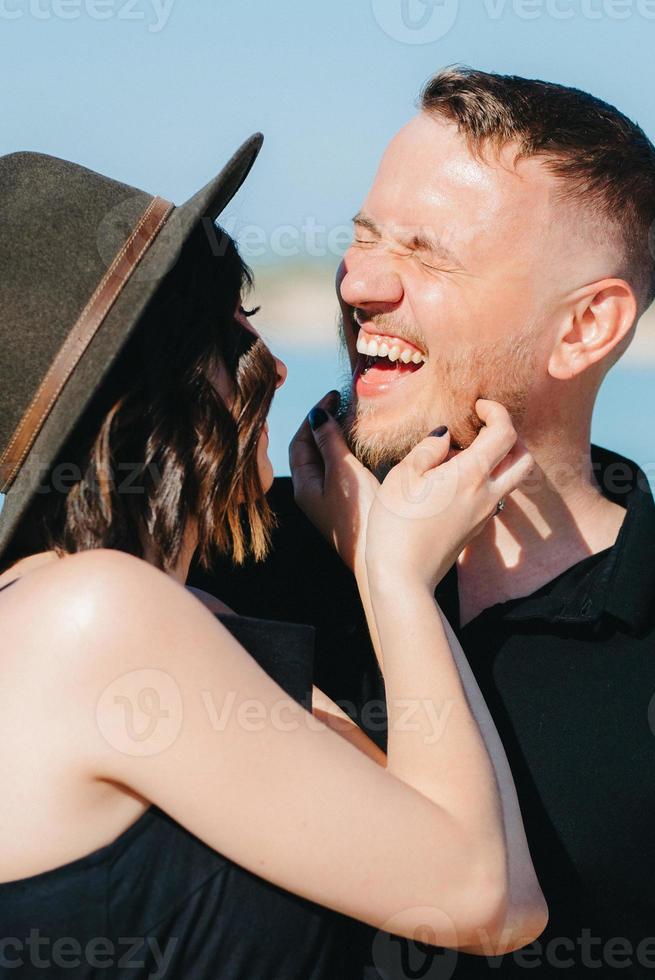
(429, 507)
(330, 485)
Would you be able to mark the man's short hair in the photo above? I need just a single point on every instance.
(604, 160)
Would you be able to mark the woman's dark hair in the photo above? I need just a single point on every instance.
(158, 446)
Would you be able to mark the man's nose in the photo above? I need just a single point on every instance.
(282, 372)
(369, 281)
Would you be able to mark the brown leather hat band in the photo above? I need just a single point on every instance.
(80, 337)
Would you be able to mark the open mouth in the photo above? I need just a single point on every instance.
(383, 362)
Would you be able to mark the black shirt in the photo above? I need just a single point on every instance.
(568, 673)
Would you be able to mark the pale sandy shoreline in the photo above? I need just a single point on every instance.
(299, 310)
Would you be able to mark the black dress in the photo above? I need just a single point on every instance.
(159, 903)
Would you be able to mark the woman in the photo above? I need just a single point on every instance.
(164, 786)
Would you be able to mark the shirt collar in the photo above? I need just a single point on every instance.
(629, 590)
(619, 581)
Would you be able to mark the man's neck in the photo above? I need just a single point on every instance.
(554, 521)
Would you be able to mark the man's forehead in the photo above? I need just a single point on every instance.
(429, 176)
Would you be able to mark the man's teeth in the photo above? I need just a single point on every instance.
(378, 347)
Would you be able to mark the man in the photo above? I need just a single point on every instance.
(506, 250)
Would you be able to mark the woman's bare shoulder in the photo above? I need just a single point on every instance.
(101, 570)
(102, 597)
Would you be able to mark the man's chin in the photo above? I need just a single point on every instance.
(380, 444)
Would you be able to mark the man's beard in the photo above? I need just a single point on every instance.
(501, 371)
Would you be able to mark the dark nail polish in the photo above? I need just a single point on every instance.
(317, 418)
(441, 431)
(335, 401)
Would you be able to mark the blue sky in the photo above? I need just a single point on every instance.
(158, 93)
(160, 99)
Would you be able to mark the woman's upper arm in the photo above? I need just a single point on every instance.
(173, 708)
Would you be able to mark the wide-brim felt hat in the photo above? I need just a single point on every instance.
(81, 256)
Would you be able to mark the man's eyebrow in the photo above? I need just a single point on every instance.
(363, 220)
(416, 239)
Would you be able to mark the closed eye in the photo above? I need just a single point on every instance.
(431, 267)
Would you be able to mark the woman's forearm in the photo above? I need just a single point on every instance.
(434, 743)
(526, 900)
(442, 738)
(361, 577)
(433, 739)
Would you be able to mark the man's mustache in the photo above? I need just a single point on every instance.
(389, 326)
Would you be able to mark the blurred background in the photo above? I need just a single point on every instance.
(158, 93)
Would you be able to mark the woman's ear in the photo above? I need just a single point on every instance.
(599, 321)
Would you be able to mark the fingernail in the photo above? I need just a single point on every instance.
(334, 400)
(441, 431)
(317, 417)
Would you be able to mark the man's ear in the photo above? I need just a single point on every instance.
(598, 321)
